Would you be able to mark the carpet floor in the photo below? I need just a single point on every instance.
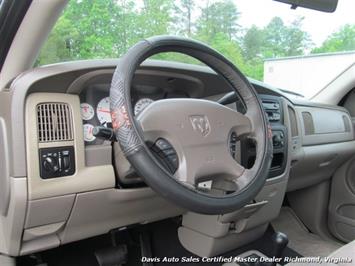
(300, 239)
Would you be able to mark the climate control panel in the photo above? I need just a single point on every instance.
(57, 162)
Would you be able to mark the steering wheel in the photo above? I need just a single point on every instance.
(176, 145)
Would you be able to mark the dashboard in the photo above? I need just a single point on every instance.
(95, 111)
(154, 83)
(87, 198)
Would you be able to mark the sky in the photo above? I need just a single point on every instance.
(318, 24)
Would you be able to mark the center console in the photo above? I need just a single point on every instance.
(210, 235)
(275, 114)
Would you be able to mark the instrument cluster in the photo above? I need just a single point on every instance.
(100, 115)
(95, 105)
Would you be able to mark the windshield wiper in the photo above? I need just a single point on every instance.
(292, 92)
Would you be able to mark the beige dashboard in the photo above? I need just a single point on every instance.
(83, 204)
(85, 178)
(39, 213)
(327, 141)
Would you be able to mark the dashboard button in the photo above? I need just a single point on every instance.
(162, 144)
(173, 159)
(168, 152)
(165, 152)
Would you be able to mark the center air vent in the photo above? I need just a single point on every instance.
(54, 122)
(293, 121)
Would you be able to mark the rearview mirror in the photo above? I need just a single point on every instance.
(320, 5)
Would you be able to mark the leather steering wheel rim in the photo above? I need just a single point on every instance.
(132, 141)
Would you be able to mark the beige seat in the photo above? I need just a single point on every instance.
(343, 256)
(347, 251)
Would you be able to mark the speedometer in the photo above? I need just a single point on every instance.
(141, 105)
(103, 111)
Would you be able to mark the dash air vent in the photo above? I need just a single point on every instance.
(54, 121)
(346, 124)
(308, 123)
(293, 121)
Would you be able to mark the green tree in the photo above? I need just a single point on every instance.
(96, 28)
(276, 39)
(217, 26)
(89, 29)
(275, 33)
(254, 68)
(155, 18)
(57, 47)
(341, 40)
(182, 19)
(218, 17)
(253, 42)
(229, 49)
(297, 40)
(107, 28)
(283, 40)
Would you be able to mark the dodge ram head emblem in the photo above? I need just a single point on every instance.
(200, 124)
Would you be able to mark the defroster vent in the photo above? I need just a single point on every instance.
(54, 122)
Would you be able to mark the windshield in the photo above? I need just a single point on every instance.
(296, 50)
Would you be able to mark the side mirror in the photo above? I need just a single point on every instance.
(320, 5)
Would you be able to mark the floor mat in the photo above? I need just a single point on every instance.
(300, 239)
(164, 243)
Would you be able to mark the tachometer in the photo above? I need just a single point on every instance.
(103, 111)
(88, 136)
(87, 112)
(141, 105)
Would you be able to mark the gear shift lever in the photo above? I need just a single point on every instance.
(280, 241)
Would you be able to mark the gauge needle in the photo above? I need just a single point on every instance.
(104, 110)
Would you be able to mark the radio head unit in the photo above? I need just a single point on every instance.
(272, 109)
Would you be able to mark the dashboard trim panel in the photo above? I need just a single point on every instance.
(84, 178)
